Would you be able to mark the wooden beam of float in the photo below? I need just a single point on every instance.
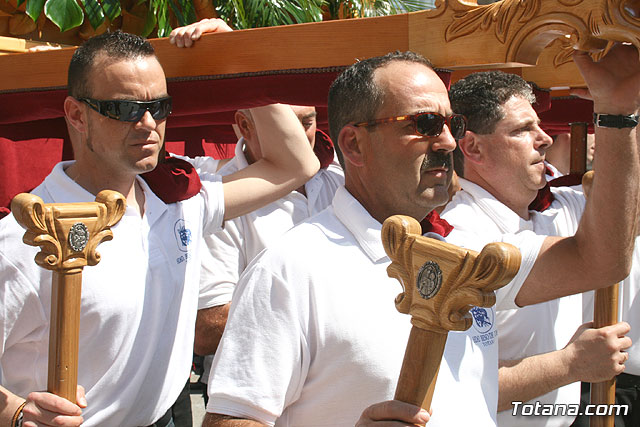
(68, 235)
(441, 283)
(456, 34)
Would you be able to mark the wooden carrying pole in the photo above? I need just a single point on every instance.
(578, 158)
(605, 313)
(68, 234)
(605, 305)
(441, 283)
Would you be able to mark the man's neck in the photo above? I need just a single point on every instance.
(371, 202)
(517, 203)
(94, 182)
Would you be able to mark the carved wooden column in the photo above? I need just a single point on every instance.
(441, 283)
(68, 234)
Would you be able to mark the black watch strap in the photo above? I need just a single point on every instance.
(615, 121)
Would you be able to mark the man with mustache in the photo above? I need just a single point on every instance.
(339, 341)
(544, 351)
(313, 336)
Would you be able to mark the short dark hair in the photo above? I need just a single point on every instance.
(480, 97)
(354, 97)
(114, 45)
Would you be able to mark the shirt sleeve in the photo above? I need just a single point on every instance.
(223, 261)
(263, 358)
(23, 322)
(213, 195)
(529, 244)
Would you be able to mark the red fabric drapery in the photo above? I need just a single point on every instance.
(33, 134)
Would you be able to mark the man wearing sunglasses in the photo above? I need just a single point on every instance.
(313, 336)
(139, 303)
(568, 248)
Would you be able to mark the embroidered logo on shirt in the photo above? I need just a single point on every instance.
(483, 319)
(183, 235)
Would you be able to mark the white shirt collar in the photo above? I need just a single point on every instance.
(507, 220)
(365, 229)
(63, 189)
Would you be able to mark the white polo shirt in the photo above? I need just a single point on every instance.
(480, 218)
(138, 305)
(314, 338)
(243, 238)
(628, 310)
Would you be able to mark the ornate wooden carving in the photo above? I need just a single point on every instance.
(525, 27)
(442, 282)
(68, 235)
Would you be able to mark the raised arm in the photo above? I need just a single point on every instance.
(599, 254)
(287, 162)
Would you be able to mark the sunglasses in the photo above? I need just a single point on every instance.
(428, 124)
(131, 111)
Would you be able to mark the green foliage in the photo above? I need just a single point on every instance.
(94, 12)
(34, 8)
(66, 14)
(267, 13)
(368, 8)
(241, 14)
(111, 9)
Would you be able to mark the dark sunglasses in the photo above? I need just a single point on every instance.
(131, 111)
(428, 124)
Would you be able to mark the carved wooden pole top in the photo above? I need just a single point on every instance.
(441, 281)
(68, 233)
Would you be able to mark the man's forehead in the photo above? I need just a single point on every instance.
(123, 74)
(304, 110)
(103, 61)
(411, 87)
(519, 109)
(410, 79)
(400, 70)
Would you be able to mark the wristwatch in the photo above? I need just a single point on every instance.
(19, 420)
(615, 121)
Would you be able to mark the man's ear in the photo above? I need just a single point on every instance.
(471, 147)
(75, 114)
(245, 125)
(349, 141)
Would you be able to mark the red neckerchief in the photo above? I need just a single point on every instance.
(173, 180)
(434, 224)
(545, 197)
(4, 212)
(324, 149)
